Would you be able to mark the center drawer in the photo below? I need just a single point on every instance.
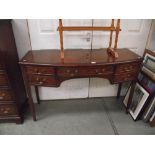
(84, 71)
(41, 80)
(6, 95)
(38, 70)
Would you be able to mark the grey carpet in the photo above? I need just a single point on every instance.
(96, 116)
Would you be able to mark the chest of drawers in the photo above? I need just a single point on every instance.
(12, 91)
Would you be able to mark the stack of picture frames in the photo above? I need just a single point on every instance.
(143, 102)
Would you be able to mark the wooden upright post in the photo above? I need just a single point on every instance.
(117, 33)
(111, 33)
(61, 39)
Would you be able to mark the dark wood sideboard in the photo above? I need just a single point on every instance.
(46, 68)
(12, 90)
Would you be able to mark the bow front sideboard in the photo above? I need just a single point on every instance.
(46, 68)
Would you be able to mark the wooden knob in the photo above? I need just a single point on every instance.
(76, 71)
(68, 71)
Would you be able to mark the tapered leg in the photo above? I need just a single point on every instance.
(28, 90)
(37, 94)
(133, 84)
(119, 90)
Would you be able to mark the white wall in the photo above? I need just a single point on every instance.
(134, 36)
(151, 39)
(21, 36)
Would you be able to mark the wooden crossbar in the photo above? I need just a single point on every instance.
(86, 28)
(111, 29)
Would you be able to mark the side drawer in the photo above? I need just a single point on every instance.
(124, 77)
(38, 70)
(3, 80)
(7, 110)
(6, 95)
(42, 80)
(129, 67)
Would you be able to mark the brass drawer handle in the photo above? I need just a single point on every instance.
(100, 73)
(1, 97)
(6, 112)
(68, 71)
(72, 74)
(40, 82)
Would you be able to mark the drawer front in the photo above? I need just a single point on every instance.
(6, 95)
(130, 67)
(125, 77)
(39, 70)
(84, 71)
(7, 110)
(3, 80)
(42, 80)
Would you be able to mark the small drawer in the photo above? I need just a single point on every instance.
(7, 110)
(39, 70)
(42, 80)
(84, 71)
(6, 95)
(3, 80)
(130, 67)
(125, 77)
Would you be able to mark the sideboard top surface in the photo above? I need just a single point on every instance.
(78, 57)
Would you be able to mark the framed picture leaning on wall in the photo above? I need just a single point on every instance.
(149, 65)
(139, 98)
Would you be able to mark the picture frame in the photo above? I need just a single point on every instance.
(139, 99)
(150, 110)
(149, 65)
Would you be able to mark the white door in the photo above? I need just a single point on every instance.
(44, 35)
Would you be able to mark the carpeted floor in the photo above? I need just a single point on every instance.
(105, 116)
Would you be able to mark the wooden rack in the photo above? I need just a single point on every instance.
(111, 29)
